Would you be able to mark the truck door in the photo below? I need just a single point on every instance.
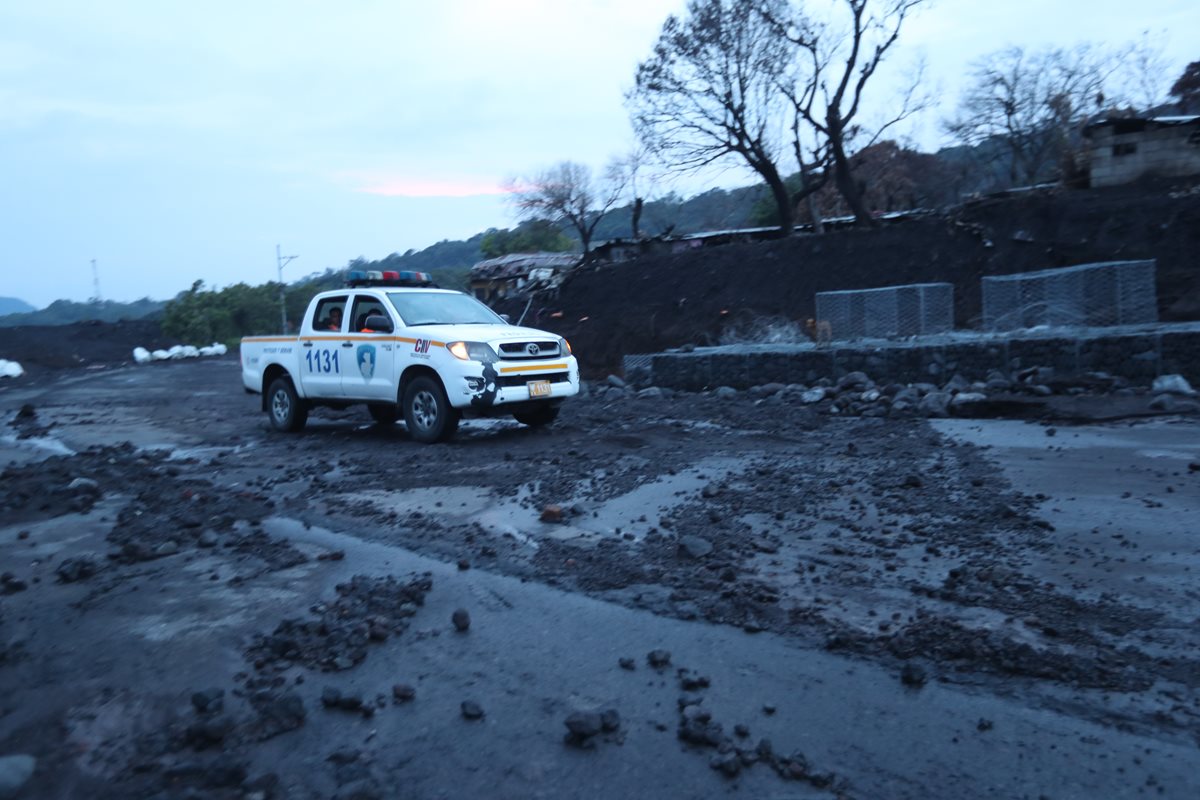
(325, 352)
(370, 372)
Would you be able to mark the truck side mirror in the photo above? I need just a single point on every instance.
(379, 323)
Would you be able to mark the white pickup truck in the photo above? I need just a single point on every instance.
(404, 349)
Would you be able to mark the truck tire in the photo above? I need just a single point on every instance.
(285, 409)
(427, 413)
(384, 413)
(537, 417)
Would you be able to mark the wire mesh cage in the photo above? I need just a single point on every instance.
(1091, 295)
(916, 309)
(637, 368)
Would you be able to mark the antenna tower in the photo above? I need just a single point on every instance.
(96, 296)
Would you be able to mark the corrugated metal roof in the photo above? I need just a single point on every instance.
(517, 264)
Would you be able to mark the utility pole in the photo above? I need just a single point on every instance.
(96, 298)
(282, 261)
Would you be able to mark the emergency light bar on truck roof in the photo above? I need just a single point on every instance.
(359, 278)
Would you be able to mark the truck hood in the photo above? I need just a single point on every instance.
(491, 334)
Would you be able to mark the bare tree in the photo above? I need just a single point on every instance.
(811, 152)
(710, 90)
(1186, 90)
(840, 63)
(632, 171)
(567, 193)
(1144, 70)
(1036, 104)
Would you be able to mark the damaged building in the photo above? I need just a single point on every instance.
(1123, 150)
(519, 273)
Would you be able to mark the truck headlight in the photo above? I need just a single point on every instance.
(564, 346)
(471, 351)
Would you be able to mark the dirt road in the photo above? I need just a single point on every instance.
(682, 596)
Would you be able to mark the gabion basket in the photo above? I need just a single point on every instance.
(916, 309)
(1088, 295)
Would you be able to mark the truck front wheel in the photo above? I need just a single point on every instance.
(427, 413)
(285, 408)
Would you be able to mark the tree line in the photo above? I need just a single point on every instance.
(781, 90)
(66, 312)
(780, 87)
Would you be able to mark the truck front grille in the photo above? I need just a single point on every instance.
(514, 351)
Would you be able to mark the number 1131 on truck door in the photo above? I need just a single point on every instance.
(322, 361)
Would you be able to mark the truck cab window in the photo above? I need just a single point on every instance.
(365, 307)
(329, 313)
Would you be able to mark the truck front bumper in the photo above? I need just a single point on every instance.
(482, 386)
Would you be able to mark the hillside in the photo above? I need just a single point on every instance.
(68, 312)
(647, 305)
(13, 305)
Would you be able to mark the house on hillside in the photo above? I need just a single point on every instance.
(519, 273)
(618, 250)
(1123, 150)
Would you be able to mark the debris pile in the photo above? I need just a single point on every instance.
(180, 351)
(1015, 394)
(336, 637)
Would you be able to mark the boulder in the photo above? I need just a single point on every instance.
(956, 384)
(15, 772)
(935, 404)
(1173, 384)
(854, 380)
(963, 399)
(813, 396)
(694, 546)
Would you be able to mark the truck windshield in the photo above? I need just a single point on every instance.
(442, 308)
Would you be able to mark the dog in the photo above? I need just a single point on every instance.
(820, 331)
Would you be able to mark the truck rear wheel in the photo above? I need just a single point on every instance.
(427, 413)
(384, 414)
(284, 407)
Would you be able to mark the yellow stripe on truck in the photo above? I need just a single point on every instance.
(534, 368)
(355, 337)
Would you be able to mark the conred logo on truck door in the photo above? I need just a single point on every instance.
(366, 360)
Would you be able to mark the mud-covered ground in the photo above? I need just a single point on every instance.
(684, 596)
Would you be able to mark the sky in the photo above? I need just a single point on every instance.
(174, 141)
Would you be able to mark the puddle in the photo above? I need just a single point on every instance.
(200, 453)
(169, 626)
(1178, 455)
(41, 444)
(631, 514)
(459, 505)
(637, 511)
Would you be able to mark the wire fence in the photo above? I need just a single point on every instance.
(1088, 295)
(1083, 300)
(917, 309)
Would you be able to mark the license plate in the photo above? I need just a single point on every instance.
(539, 388)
